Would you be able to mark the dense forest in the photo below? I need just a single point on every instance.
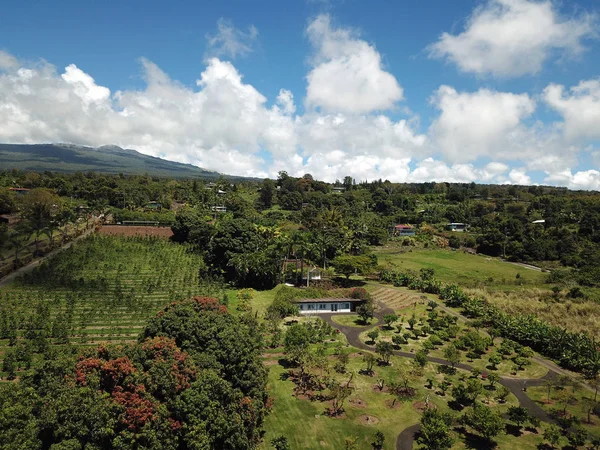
(307, 218)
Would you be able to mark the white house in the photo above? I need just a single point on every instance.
(327, 305)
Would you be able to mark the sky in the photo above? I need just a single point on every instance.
(490, 91)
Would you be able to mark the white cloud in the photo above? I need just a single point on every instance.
(477, 124)
(231, 42)
(227, 125)
(519, 176)
(580, 108)
(511, 38)
(348, 74)
(582, 180)
(7, 61)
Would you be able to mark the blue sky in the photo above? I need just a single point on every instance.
(502, 91)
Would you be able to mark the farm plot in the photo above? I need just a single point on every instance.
(396, 299)
(103, 289)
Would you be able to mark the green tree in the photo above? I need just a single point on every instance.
(436, 432)
(389, 319)
(296, 341)
(518, 415)
(280, 443)
(452, 354)
(484, 421)
(347, 265)
(384, 349)
(373, 334)
(552, 434)
(365, 312)
(378, 440)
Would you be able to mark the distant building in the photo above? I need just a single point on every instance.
(220, 192)
(457, 226)
(338, 189)
(19, 191)
(220, 209)
(539, 221)
(10, 219)
(404, 230)
(153, 205)
(327, 305)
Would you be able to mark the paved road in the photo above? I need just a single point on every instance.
(515, 385)
(32, 265)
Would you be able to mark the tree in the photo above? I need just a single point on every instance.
(577, 436)
(369, 359)
(296, 342)
(384, 349)
(389, 319)
(518, 415)
(484, 421)
(378, 440)
(38, 209)
(452, 354)
(280, 443)
(502, 393)
(347, 264)
(267, 193)
(339, 393)
(365, 312)
(420, 358)
(493, 378)
(552, 434)
(494, 360)
(436, 432)
(412, 321)
(373, 334)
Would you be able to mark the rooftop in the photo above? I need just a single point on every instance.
(326, 300)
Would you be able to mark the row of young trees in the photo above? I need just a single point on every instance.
(577, 351)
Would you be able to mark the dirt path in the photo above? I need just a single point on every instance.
(406, 437)
(32, 265)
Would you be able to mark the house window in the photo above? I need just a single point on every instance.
(301, 307)
(346, 305)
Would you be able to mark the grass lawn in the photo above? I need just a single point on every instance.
(353, 320)
(462, 268)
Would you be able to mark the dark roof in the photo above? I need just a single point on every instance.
(326, 300)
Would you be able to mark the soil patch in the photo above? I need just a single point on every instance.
(392, 403)
(384, 390)
(358, 403)
(365, 419)
(270, 362)
(420, 406)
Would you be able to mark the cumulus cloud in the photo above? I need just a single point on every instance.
(231, 42)
(510, 38)
(347, 74)
(581, 180)
(579, 106)
(485, 122)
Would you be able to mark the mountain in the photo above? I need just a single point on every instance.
(108, 159)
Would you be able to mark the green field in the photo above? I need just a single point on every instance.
(463, 268)
(103, 289)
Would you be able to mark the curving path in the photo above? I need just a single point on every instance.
(406, 438)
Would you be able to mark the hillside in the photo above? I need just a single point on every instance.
(108, 159)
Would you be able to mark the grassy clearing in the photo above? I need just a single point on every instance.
(462, 268)
(566, 313)
(367, 401)
(353, 320)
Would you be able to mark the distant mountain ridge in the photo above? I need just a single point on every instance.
(106, 159)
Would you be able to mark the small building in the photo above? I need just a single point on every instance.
(539, 221)
(338, 189)
(457, 226)
(153, 205)
(404, 230)
(312, 274)
(220, 209)
(220, 192)
(19, 191)
(327, 305)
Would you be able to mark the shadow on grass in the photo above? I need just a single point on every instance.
(477, 442)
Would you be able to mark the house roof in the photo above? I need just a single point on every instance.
(403, 227)
(327, 300)
(539, 221)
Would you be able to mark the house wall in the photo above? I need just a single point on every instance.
(325, 307)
